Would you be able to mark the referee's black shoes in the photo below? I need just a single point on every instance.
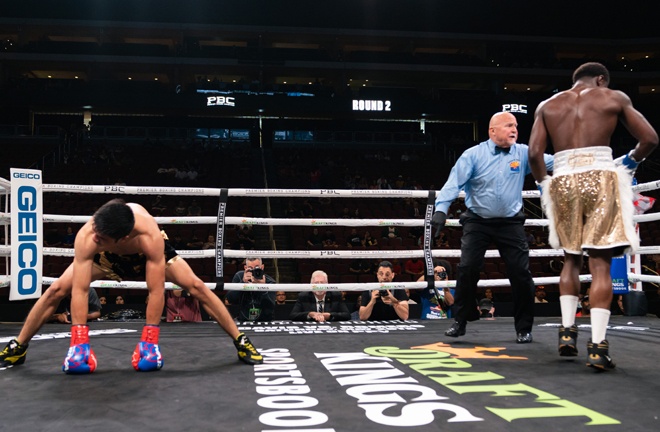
(457, 329)
(524, 337)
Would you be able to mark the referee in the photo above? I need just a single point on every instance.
(492, 174)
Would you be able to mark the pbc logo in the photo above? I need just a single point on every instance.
(329, 192)
(114, 189)
(220, 101)
(328, 253)
(515, 108)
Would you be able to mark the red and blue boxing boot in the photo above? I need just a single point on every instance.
(146, 356)
(80, 359)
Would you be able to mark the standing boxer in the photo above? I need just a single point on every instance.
(588, 199)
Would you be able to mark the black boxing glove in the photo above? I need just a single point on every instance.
(438, 222)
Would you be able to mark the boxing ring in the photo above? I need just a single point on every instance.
(342, 376)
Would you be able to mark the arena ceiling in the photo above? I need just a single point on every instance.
(338, 43)
(561, 18)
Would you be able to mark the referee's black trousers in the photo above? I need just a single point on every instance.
(508, 235)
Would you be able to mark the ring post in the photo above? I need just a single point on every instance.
(27, 234)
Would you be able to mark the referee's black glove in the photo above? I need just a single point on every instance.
(438, 222)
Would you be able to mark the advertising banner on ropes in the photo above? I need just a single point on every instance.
(619, 273)
(26, 234)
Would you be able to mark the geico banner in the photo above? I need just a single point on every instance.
(26, 234)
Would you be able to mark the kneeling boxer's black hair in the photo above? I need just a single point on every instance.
(114, 219)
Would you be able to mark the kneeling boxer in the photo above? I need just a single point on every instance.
(122, 240)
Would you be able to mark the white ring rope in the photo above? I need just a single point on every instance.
(634, 277)
(5, 185)
(312, 193)
(645, 187)
(234, 220)
(549, 280)
(238, 192)
(340, 254)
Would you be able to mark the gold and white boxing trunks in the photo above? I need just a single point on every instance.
(589, 202)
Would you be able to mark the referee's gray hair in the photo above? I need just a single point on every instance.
(317, 273)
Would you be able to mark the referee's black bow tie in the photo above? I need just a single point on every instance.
(502, 149)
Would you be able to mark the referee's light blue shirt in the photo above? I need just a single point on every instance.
(492, 180)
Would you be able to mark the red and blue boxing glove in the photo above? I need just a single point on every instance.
(147, 356)
(80, 359)
(629, 162)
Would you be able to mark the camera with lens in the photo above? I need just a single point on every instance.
(258, 273)
(442, 275)
(382, 293)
